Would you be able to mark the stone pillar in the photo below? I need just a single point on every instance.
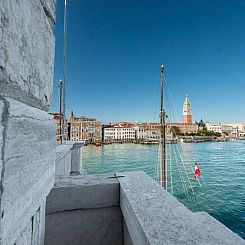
(27, 131)
(76, 159)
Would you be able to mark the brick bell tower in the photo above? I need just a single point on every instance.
(187, 117)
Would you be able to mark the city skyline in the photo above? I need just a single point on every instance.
(115, 51)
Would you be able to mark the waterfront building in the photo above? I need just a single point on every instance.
(184, 127)
(187, 116)
(224, 129)
(240, 128)
(151, 132)
(217, 128)
(139, 132)
(59, 118)
(84, 128)
(119, 132)
(241, 134)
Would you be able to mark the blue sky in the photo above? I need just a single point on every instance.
(116, 47)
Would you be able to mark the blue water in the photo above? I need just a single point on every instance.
(221, 192)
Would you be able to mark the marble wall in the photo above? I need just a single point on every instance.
(27, 131)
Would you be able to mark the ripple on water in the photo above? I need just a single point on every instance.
(222, 164)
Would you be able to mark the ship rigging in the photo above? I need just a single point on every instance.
(173, 163)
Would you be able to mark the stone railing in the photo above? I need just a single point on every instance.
(69, 159)
(125, 208)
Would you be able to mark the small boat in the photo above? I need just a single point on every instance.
(98, 143)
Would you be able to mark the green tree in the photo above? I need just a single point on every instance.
(217, 134)
(205, 132)
(175, 130)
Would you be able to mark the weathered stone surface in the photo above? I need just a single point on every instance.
(1, 140)
(101, 226)
(27, 51)
(3, 123)
(79, 209)
(84, 210)
(127, 240)
(69, 159)
(153, 216)
(76, 159)
(49, 9)
(63, 160)
(62, 151)
(77, 192)
(34, 231)
(28, 160)
(27, 134)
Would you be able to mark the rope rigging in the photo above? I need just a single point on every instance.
(177, 158)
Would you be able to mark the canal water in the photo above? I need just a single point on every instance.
(221, 192)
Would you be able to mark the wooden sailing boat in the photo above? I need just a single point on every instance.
(185, 168)
(162, 132)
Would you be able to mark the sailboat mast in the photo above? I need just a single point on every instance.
(60, 105)
(162, 133)
(64, 75)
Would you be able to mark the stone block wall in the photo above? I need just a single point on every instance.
(27, 131)
(27, 51)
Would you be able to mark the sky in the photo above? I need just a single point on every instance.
(115, 49)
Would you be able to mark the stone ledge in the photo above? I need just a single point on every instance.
(153, 216)
(62, 151)
(77, 192)
(68, 159)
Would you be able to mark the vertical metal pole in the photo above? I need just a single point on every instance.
(61, 119)
(64, 74)
(162, 132)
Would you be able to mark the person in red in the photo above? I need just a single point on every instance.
(197, 171)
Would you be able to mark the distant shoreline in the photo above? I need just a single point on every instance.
(182, 139)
